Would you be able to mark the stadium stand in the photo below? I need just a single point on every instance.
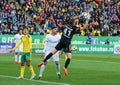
(105, 20)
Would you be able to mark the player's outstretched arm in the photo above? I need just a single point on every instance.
(77, 17)
(18, 44)
(86, 22)
(85, 26)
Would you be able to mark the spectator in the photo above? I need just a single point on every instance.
(0, 31)
(107, 42)
(88, 41)
(49, 12)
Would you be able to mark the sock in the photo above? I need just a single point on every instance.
(31, 70)
(58, 68)
(22, 71)
(19, 58)
(15, 58)
(67, 62)
(42, 70)
(48, 57)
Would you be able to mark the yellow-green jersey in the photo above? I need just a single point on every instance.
(27, 43)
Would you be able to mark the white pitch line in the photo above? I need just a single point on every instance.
(98, 61)
(55, 83)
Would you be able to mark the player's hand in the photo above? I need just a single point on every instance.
(80, 27)
(30, 50)
(11, 50)
(42, 54)
(60, 53)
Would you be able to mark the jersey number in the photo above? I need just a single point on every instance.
(67, 32)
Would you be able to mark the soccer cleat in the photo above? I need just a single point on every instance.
(59, 76)
(15, 63)
(40, 64)
(19, 62)
(39, 78)
(32, 77)
(20, 77)
(65, 71)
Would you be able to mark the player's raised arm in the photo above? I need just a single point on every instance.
(84, 16)
(77, 17)
(85, 26)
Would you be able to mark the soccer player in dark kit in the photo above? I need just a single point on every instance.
(68, 31)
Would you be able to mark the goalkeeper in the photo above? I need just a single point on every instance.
(26, 55)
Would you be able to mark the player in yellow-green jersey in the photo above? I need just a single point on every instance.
(26, 55)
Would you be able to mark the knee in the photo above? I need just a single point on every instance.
(22, 64)
(57, 62)
(69, 57)
(45, 63)
(28, 64)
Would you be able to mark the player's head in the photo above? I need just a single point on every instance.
(54, 30)
(25, 31)
(72, 22)
(20, 31)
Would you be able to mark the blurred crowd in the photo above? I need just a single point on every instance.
(13, 17)
(105, 15)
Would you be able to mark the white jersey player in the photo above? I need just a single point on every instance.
(18, 51)
(51, 41)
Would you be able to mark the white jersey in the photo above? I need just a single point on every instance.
(17, 38)
(51, 41)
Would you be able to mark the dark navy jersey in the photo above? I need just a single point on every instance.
(68, 32)
(65, 41)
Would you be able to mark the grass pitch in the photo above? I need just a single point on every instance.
(85, 69)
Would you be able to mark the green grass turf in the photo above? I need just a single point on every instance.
(85, 69)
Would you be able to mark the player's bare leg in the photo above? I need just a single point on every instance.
(67, 62)
(47, 57)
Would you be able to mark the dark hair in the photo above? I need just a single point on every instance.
(71, 21)
(25, 28)
(19, 29)
(54, 27)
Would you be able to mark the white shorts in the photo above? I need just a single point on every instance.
(19, 49)
(55, 56)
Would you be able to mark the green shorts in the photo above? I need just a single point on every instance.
(26, 57)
